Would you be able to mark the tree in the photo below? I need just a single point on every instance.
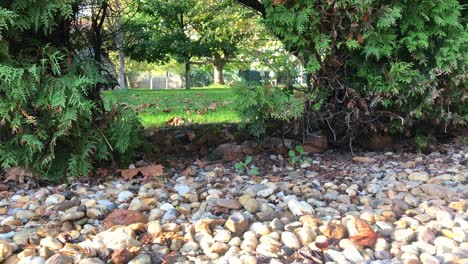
(376, 66)
(166, 25)
(192, 32)
(52, 120)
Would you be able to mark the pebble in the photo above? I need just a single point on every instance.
(415, 202)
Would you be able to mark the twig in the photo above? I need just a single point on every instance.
(107, 141)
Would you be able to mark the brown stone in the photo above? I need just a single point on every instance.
(229, 203)
(335, 231)
(124, 217)
(315, 144)
(122, 256)
(65, 205)
(59, 259)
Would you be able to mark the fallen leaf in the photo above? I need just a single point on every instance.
(17, 174)
(366, 236)
(213, 106)
(147, 171)
(201, 163)
(175, 121)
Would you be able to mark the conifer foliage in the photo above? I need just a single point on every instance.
(51, 121)
(388, 66)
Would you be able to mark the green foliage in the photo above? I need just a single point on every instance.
(385, 59)
(49, 125)
(51, 121)
(246, 166)
(298, 156)
(260, 105)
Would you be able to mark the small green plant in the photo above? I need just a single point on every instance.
(246, 166)
(298, 156)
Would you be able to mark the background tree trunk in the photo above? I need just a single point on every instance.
(119, 42)
(188, 81)
(218, 73)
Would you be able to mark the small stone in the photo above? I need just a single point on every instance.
(26, 253)
(219, 248)
(116, 240)
(276, 225)
(46, 252)
(154, 228)
(228, 203)
(249, 203)
(5, 250)
(141, 259)
(189, 248)
(121, 256)
(139, 205)
(290, 240)
(259, 229)
(237, 223)
(124, 217)
(444, 245)
(426, 235)
(404, 235)
(335, 231)
(59, 259)
(52, 243)
(91, 261)
(353, 255)
(182, 189)
(31, 260)
(358, 159)
(437, 190)
(65, 205)
(300, 208)
(202, 226)
(125, 196)
(307, 234)
(72, 216)
(54, 199)
(461, 205)
(419, 176)
(428, 259)
(222, 235)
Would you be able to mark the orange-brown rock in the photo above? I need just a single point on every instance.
(315, 144)
(124, 217)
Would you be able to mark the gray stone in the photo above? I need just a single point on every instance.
(300, 208)
(290, 240)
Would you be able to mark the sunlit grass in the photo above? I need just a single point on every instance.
(197, 105)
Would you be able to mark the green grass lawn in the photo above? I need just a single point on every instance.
(197, 105)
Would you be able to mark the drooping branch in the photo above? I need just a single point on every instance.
(255, 5)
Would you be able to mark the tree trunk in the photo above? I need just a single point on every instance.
(151, 80)
(167, 80)
(119, 42)
(218, 73)
(188, 81)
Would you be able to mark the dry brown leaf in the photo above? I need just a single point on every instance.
(147, 171)
(213, 106)
(17, 174)
(201, 163)
(366, 236)
(175, 121)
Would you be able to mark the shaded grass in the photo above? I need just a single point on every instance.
(197, 105)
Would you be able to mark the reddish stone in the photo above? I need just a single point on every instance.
(121, 256)
(124, 217)
(315, 144)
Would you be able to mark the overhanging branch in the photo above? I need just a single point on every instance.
(255, 5)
